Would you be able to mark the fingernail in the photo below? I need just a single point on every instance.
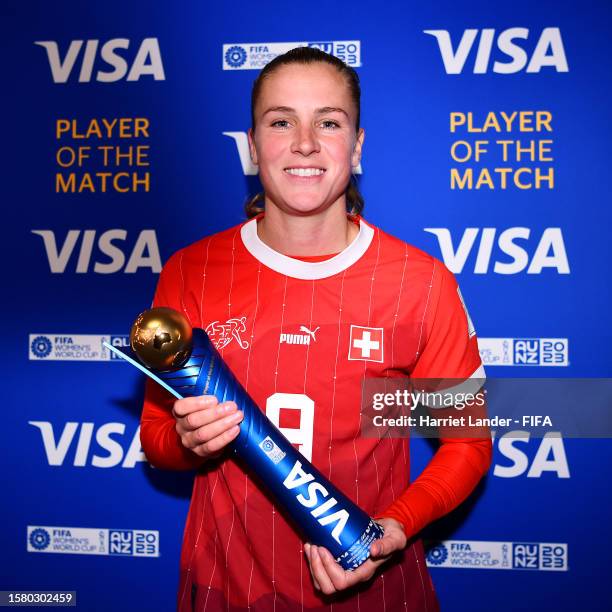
(234, 418)
(229, 406)
(206, 400)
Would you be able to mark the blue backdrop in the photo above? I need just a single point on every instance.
(167, 88)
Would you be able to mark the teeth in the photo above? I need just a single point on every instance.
(305, 171)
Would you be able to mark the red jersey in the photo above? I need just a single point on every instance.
(301, 336)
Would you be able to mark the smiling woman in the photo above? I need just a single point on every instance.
(377, 307)
(309, 113)
(305, 141)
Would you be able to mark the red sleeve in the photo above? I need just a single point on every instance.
(160, 442)
(448, 479)
(451, 351)
(451, 348)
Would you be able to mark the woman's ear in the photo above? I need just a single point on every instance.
(252, 150)
(356, 155)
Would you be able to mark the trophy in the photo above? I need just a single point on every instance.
(186, 363)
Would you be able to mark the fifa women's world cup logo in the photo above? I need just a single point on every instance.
(186, 362)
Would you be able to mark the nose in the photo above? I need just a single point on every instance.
(305, 140)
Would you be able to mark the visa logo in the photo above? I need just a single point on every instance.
(144, 254)
(511, 43)
(57, 446)
(549, 251)
(147, 60)
(298, 477)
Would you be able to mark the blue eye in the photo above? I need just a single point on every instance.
(280, 121)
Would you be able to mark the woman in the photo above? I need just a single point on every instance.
(304, 301)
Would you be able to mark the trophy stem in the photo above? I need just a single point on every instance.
(142, 368)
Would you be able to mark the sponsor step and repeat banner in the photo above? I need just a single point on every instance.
(125, 139)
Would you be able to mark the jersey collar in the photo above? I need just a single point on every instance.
(306, 270)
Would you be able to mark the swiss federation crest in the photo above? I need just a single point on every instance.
(221, 334)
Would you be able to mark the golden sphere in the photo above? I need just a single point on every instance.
(161, 338)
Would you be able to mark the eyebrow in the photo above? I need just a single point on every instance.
(319, 111)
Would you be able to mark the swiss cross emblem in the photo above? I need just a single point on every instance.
(366, 343)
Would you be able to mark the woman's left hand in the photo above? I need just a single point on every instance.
(329, 577)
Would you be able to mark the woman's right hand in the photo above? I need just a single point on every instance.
(204, 425)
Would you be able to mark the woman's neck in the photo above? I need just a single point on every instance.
(326, 232)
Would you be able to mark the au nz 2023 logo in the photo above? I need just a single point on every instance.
(473, 554)
(524, 351)
(254, 56)
(93, 541)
